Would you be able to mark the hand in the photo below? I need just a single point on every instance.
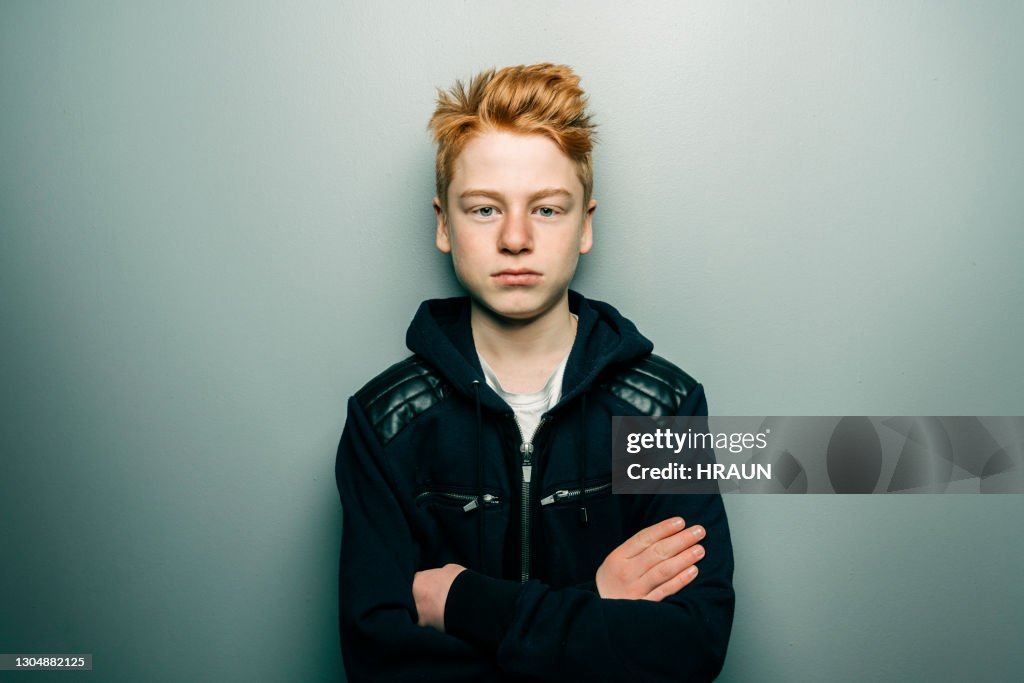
(653, 564)
(430, 591)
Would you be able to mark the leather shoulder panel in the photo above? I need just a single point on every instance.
(652, 385)
(394, 398)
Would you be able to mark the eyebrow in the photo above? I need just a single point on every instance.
(497, 196)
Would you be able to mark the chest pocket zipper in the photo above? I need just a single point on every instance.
(470, 501)
(571, 494)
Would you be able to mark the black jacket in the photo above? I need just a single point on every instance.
(430, 470)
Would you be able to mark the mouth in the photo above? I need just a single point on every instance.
(517, 277)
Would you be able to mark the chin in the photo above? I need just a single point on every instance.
(516, 306)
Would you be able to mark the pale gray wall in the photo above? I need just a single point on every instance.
(216, 225)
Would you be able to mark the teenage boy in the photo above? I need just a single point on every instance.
(481, 541)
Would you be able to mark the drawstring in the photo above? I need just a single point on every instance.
(479, 476)
(583, 459)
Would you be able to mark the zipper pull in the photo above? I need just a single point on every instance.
(554, 497)
(489, 499)
(527, 451)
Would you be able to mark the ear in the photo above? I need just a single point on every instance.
(442, 239)
(587, 237)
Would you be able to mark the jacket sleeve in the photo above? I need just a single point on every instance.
(574, 634)
(380, 637)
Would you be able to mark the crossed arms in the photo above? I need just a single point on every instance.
(655, 563)
(653, 617)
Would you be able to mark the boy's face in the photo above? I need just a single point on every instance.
(515, 224)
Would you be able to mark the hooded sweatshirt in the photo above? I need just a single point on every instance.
(432, 469)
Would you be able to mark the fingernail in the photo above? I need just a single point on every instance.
(698, 531)
(692, 571)
(698, 550)
(678, 521)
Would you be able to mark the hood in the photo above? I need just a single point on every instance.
(440, 333)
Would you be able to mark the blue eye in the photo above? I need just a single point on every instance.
(485, 211)
(546, 211)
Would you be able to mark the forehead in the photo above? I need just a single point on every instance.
(513, 163)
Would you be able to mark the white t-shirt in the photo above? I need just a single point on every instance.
(528, 408)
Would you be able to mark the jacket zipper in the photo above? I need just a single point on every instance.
(566, 494)
(525, 513)
(471, 502)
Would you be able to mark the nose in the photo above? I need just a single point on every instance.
(516, 235)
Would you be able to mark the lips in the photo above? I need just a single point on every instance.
(517, 277)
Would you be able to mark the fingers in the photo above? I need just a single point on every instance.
(668, 559)
(668, 548)
(669, 569)
(674, 585)
(645, 538)
(654, 563)
(675, 544)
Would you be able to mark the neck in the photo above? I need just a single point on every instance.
(504, 342)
